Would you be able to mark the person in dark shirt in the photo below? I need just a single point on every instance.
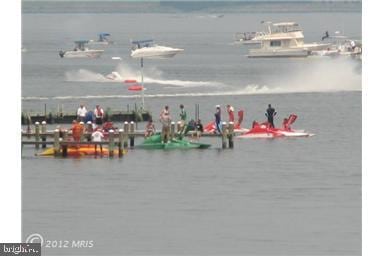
(270, 114)
(218, 118)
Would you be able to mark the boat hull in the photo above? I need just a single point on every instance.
(278, 53)
(83, 54)
(154, 142)
(83, 150)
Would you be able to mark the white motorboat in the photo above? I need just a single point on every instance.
(284, 39)
(248, 38)
(146, 49)
(102, 40)
(80, 51)
(339, 45)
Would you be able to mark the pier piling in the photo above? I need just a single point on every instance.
(172, 130)
(111, 142)
(132, 136)
(37, 134)
(231, 128)
(120, 145)
(126, 130)
(89, 130)
(224, 135)
(43, 133)
(56, 142)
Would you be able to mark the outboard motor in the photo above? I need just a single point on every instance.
(61, 54)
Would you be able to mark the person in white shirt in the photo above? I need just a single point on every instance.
(97, 136)
(81, 112)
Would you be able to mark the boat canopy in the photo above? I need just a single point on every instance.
(142, 43)
(81, 42)
(104, 34)
(285, 24)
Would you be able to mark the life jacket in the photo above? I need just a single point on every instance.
(98, 113)
(77, 130)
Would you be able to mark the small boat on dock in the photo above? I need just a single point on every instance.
(154, 142)
(81, 51)
(80, 151)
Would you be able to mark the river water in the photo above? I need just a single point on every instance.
(264, 197)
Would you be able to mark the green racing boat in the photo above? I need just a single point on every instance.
(154, 142)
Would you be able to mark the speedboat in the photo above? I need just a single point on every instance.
(248, 38)
(283, 39)
(154, 142)
(339, 45)
(102, 40)
(146, 49)
(80, 151)
(115, 76)
(264, 130)
(81, 51)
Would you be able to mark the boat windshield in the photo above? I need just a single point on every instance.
(285, 28)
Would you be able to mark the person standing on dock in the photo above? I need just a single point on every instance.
(231, 113)
(97, 136)
(270, 115)
(77, 130)
(199, 128)
(165, 119)
(183, 119)
(218, 119)
(81, 112)
(99, 115)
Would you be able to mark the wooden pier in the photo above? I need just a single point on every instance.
(67, 118)
(117, 139)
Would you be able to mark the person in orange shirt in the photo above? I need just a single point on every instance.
(77, 130)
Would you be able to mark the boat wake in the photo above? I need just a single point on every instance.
(251, 89)
(123, 73)
(325, 75)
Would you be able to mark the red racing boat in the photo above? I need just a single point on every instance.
(264, 130)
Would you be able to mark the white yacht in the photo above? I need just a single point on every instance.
(146, 49)
(283, 39)
(102, 40)
(81, 51)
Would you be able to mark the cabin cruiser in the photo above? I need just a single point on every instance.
(283, 39)
(147, 49)
(339, 45)
(81, 51)
(102, 40)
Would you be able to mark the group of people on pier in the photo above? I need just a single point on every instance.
(196, 125)
(97, 116)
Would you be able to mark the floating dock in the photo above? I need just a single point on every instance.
(118, 138)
